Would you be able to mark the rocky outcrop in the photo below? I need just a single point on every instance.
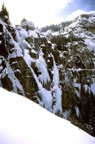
(57, 72)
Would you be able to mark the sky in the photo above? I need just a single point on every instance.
(77, 7)
(46, 12)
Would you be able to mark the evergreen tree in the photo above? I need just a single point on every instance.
(4, 15)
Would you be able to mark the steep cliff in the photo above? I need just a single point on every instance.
(54, 69)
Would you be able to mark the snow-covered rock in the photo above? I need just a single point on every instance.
(27, 25)
(55, 69)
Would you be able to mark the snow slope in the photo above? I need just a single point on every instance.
(24, 122)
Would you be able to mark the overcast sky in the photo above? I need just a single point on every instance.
(46, 12)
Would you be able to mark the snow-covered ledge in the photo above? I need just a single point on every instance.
(24, 122)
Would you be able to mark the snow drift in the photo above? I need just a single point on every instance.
(24, 122)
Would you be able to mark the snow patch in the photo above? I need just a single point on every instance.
(27, 58)
(93, 88)
(56, 89)
(90, 44)
(46, 95)
(42, 67)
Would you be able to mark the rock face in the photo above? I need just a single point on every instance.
(55, 71)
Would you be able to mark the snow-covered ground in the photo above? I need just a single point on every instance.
(24, 122)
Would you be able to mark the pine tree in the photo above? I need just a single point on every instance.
(4, 14)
